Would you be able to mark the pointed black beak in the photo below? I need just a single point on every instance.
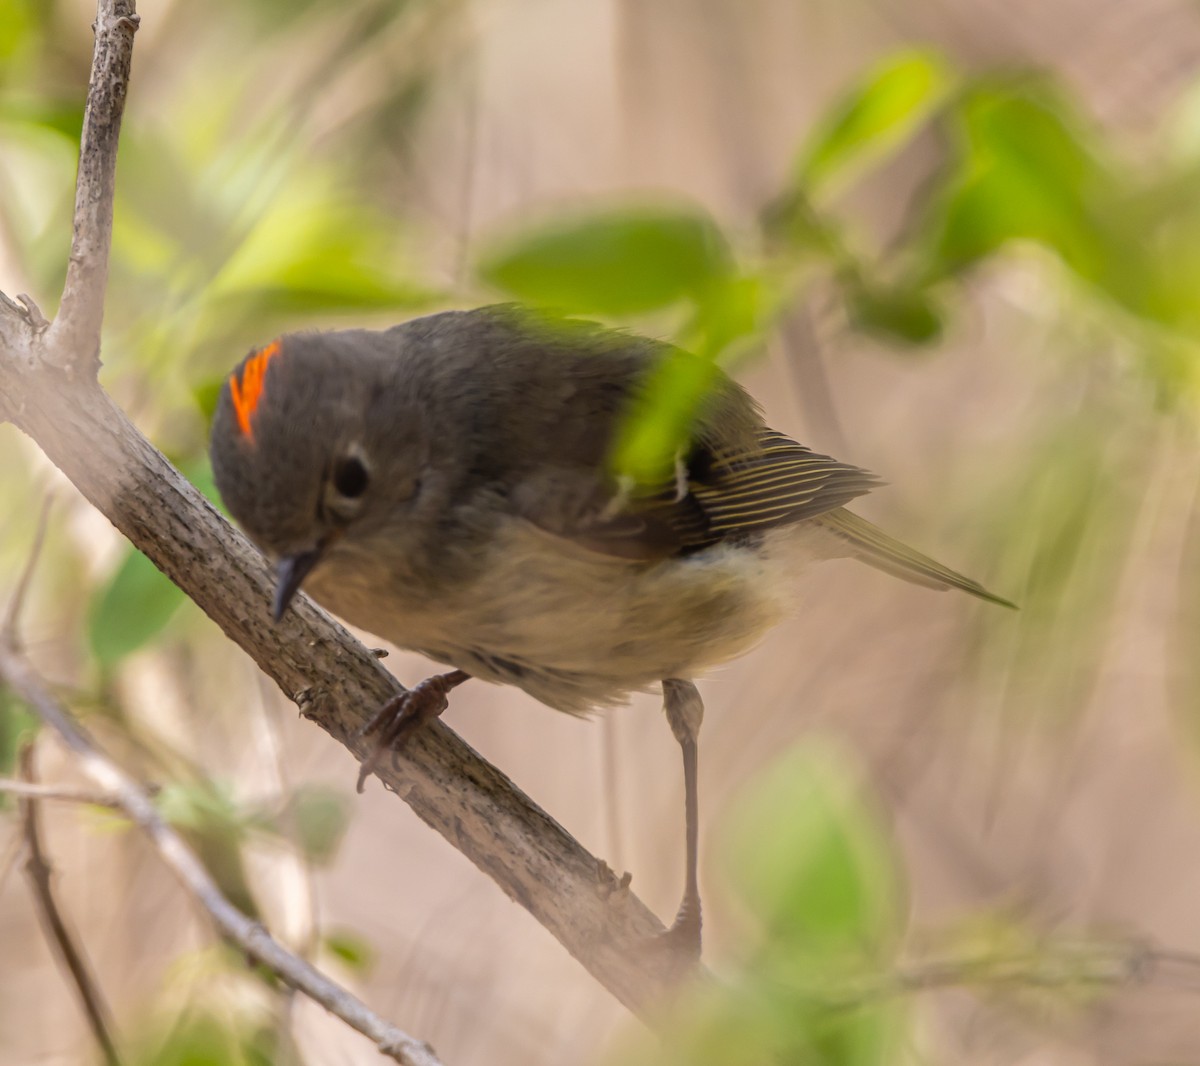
(290, 572)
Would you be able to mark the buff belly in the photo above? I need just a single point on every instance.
(574, 628)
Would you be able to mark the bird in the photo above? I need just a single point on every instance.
(449, 485)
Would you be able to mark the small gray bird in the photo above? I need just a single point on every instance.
(447, 485)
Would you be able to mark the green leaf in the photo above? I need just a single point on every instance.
(1027, 173)
(731, 318)
(661, 421)
(312, 250)
(131, 609)
(216, 826)
(900, 314)
(199, 472)
(733, 314)
(205, 1035)
(876, 117)
(17, 724)
(612, 261)
(811, 860)
(201, 806)
(351, 949)
(320, 816)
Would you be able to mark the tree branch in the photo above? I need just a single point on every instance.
(40, 874)
(246, 933)
(73, 340)
(334, 680)
(31, 790)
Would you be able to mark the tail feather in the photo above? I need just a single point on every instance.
(872, 545)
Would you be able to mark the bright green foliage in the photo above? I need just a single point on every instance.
(17, 726)
(1025, 173)
(130, 609)
(879, 115)
(816, 873)
(614, 261)
(900, 314)
(619, 260)
(138, 601)
(654, 432)
(205, 1038)
(350, 949)
(217, 828)
(807, 856)
(319, 817)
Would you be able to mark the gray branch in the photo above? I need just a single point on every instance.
(41, 877)
(73, 339)
(249, 936)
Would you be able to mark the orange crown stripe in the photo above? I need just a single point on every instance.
(246, 393)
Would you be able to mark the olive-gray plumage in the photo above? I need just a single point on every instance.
(489, 533)
(446, 484)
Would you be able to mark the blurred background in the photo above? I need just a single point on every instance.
(957, 243)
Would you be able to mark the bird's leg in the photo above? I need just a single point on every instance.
(396, 720)
(685, 712)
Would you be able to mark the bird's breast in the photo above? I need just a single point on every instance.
(573, 627)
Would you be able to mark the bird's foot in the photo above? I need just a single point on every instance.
(683, 938)
(676, 950)
(398, 719)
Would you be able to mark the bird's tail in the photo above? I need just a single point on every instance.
(872, 545)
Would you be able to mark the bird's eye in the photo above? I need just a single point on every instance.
(350, 478)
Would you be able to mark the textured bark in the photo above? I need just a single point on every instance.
(74, 337)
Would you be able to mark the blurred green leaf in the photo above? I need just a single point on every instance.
(876, 117)
(216, 826)
(61, 117)
(131, 609)
(201, 806)
(320, 816)
(311, 252)
(900, 314)
(19, 23)
(611, 261)
(205, 1038)
(17, 724)
(354, 951)
(1026, 173)
(661, 420)
(753, 1018)
(733, 314)
(199, 472)
(1081, 488)
(811, 861)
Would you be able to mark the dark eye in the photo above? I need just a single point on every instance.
(350, 478)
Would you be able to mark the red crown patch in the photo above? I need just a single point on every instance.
(246, 392)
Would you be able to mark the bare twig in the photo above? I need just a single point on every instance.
(248, 935)
(802, 354)
(40, 877)
(12, 616)
(31, 790)
(13, 854)
(1061, 964)
(73, 339)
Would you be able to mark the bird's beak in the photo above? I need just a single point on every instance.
(290, 572)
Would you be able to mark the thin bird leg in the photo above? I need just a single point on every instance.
(685, 712)
(397, 719)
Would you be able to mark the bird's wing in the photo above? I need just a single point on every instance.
(716, 495)
(775, 483)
